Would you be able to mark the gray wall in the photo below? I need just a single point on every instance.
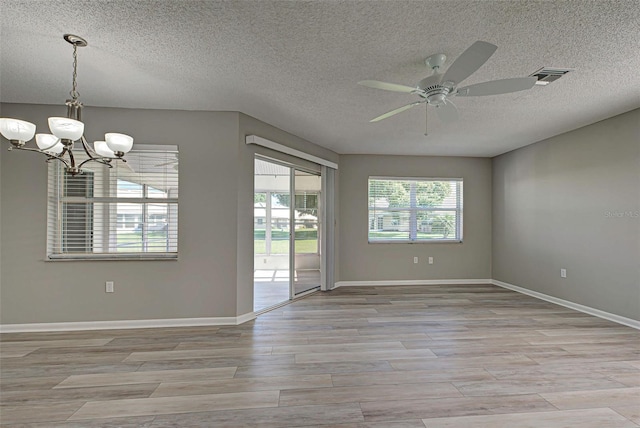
(468, 260)
(211, 278)
(573, 202)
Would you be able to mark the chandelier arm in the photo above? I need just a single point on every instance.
(93, 156)
(42, 152)
(49, 156)
(106, 162)
(63, 160)
(71, 157)
(87, 149)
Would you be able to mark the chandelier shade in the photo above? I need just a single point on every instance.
(66, 128)
(103, 150)
(17, 130)
(118, 142)
(65, 131)
(49, 143)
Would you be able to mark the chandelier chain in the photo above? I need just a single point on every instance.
(74, 93)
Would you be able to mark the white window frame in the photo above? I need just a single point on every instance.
(373, 213)
(109, 223)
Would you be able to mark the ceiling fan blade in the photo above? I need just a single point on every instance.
(469, 61)
(126, 166)
(386, 86)
(396, 111)
(447, 112)
(167, 163)
(496, 87)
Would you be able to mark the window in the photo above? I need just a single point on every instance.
(128, 211)
(415, 209)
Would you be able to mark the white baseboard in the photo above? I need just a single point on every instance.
(246, 317)
(125, 324)
(571, 305)
(216, 321)
(410, 282)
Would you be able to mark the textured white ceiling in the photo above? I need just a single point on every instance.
(295, 64)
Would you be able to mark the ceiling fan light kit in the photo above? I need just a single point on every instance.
(65, 131)
(437, 89)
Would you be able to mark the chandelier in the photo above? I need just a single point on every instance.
(65, 131)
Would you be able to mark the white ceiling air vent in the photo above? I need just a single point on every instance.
(547, 75)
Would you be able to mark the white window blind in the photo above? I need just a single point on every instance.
(128, 211)
(415, 209)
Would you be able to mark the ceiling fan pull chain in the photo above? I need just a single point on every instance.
(426, 120)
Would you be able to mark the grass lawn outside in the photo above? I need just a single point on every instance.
(132, 241)
(306, 241)
(305, 246)
(391, 235)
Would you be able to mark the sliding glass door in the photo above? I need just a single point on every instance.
(306, 243)
(286, 232)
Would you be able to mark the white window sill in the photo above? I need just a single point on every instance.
(422, 241)
(111, 257)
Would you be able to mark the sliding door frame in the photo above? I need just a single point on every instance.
(321, 217)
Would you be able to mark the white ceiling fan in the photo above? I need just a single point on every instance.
(437, 89)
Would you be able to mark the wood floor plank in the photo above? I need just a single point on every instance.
(399, 354)
(333, 348)
(48, 412)
(160, 376)
(272, 417)
(397, 377)
(349, 394)
(594, 398)
(58, 343)
(630, 412)
(172, 405)
(206, 363)
(78, 394)
(61, 368)
(592, 418)
(533, 386)
(203, 387)
(29, 383)
(628, 379)
(130, 422)
(614, 329)
(496, 361)
(389, 410)
(197, 353)
(414, 423)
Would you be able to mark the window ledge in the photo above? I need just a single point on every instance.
(422, 241)
(111, 257)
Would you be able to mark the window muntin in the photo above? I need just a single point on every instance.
(415, 210)
(128, 211)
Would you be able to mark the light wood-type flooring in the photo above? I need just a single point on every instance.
(378, 357)
(271, 286)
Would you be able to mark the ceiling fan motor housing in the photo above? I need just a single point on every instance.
(432, 90)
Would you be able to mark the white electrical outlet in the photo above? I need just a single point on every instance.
(430, 260)
(109, 286)
(563, 273)
(415, 260)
